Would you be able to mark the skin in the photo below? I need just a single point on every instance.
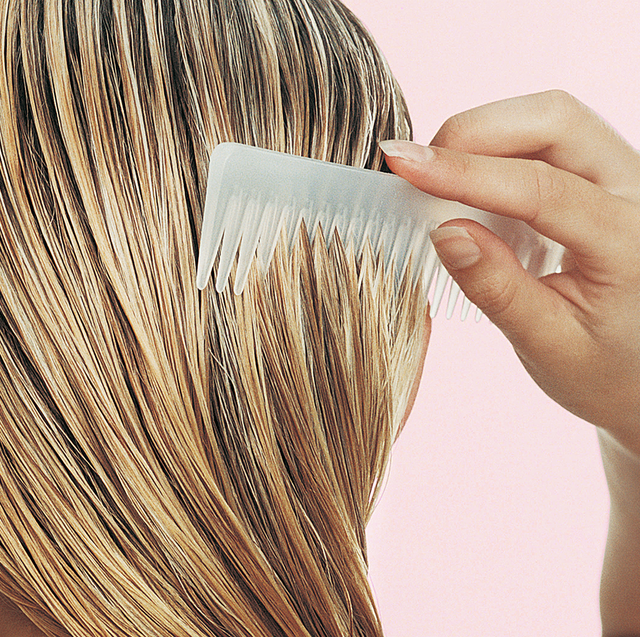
(575, 332)
(13, 623)
(549, 160)
(552, 162)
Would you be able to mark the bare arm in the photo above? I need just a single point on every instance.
(552, 162)
(620, 584)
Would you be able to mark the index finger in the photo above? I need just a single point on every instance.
(552, 126)
(558, 204)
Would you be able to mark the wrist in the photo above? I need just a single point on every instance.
(622, 470)
(620, 583)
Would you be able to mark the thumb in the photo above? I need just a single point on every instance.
(492, 277)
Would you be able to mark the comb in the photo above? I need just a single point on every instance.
(253, 194)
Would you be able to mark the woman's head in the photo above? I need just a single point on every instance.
(175, 462)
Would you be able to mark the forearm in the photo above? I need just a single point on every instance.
(620, 585)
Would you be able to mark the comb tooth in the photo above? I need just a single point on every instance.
(368, 223)
(536, 267)
(553, 256)
(270, 235)
(351, 252)
(419, 250)
(547, 261)
(364, 228)
(292, 220)
(430, 265)
(367, 233)
(329, 228)
(317, 223)
(410, 249)
(348, 229)
(326, 223)
(535, 262)
(466, 305)
(347, 225)
(251, 229)
(426, 278)
(316, 220)
(230, 242)
(478, 315)
(382, 240)
(454, 293)
(359, 209)
(525, 258)
(296, 225)
(405, 237)
(336, 224)
(213, 227)
(441, 283)
(400, 244)
(389, 243)
(376, 234)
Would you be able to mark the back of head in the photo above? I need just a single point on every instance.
(176, 462)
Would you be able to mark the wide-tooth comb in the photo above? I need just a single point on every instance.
(253, 193)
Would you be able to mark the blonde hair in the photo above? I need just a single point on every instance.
(175, 462)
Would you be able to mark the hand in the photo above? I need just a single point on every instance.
(551, 161)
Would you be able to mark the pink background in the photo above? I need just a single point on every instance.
(494, 516)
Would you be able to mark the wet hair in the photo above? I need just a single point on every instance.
(176, 462)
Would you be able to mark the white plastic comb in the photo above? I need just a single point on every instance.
(252, 193)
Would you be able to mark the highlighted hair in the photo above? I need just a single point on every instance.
(174, 462)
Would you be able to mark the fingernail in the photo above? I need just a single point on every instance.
(406, 150)
(455, 247)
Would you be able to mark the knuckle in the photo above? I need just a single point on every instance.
(549, 188)
(559, 97)
(496, 296)
(464, 167)
(455, 130)
(566, 111)
(463, 173)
